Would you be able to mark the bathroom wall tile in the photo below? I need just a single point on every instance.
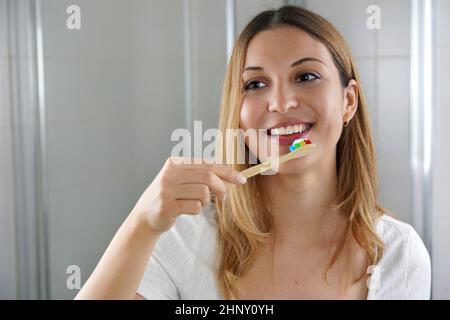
(441, 258)
(368, 72)
(209, 55)
(246, 10)
(4, 30)
(6, 185)
(394, 35)
(21, 76)
(157, 31)
(7, 213)
(158, 109)
(87, 90)
(5, 103)
(90, 171)
(443, 22)
(441, 156)
(441, 174)
(442, 108)
(351, 22)
(158, 84)
(393, 119)
(16, 42)
(90, 160)
(104, 33)
(6, 167)
(395, 196)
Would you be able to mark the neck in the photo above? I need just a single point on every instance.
(302, 206)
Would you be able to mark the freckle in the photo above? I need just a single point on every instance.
(295, 282)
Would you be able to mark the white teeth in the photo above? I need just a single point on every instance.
(302, 127)
(290, 129)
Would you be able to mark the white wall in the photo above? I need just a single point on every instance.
(7, 235)
(441, 156)
(89, 132)
(115, 92)
(157, 85)
(248, 9)
(209, 59)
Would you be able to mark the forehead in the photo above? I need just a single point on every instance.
(283, 45)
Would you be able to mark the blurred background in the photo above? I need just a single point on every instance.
(86, 117)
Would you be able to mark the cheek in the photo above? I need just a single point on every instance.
(329, 112)
(245, 117)
(251, 115)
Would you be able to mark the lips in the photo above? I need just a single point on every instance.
(290, 123)
(287, 139)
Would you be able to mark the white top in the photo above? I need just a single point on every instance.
(183, 262)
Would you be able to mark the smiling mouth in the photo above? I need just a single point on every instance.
(286, 135)
(292, 129)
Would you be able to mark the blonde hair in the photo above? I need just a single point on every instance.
(244, 219)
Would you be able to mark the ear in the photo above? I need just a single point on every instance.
(350, 100)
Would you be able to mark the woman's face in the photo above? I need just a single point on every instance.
(290, 80)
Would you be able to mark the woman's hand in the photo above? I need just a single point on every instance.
(182, 187)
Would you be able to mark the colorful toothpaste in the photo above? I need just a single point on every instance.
(299, 143)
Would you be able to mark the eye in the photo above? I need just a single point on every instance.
(307, 77)
(252, 85)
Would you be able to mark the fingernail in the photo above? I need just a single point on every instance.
(241, 178)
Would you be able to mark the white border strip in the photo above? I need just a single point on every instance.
(187, 64)
(422, 115)
(231, 26)
(43, 218)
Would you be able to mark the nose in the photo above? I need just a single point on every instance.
(282, 99)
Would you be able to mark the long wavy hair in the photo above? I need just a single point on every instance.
(244, 218)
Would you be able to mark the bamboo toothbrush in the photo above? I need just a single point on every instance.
(299, 148)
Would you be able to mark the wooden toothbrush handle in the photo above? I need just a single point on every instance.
(263, 167)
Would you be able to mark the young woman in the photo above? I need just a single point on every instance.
(313, 230)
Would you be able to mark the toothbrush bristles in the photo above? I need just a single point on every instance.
(299, 143)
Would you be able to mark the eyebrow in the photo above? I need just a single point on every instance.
(296, 63)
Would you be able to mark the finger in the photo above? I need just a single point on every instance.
(185, 161)
(221, 170)
(204, 177)
(188, 206)
(193, 192)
